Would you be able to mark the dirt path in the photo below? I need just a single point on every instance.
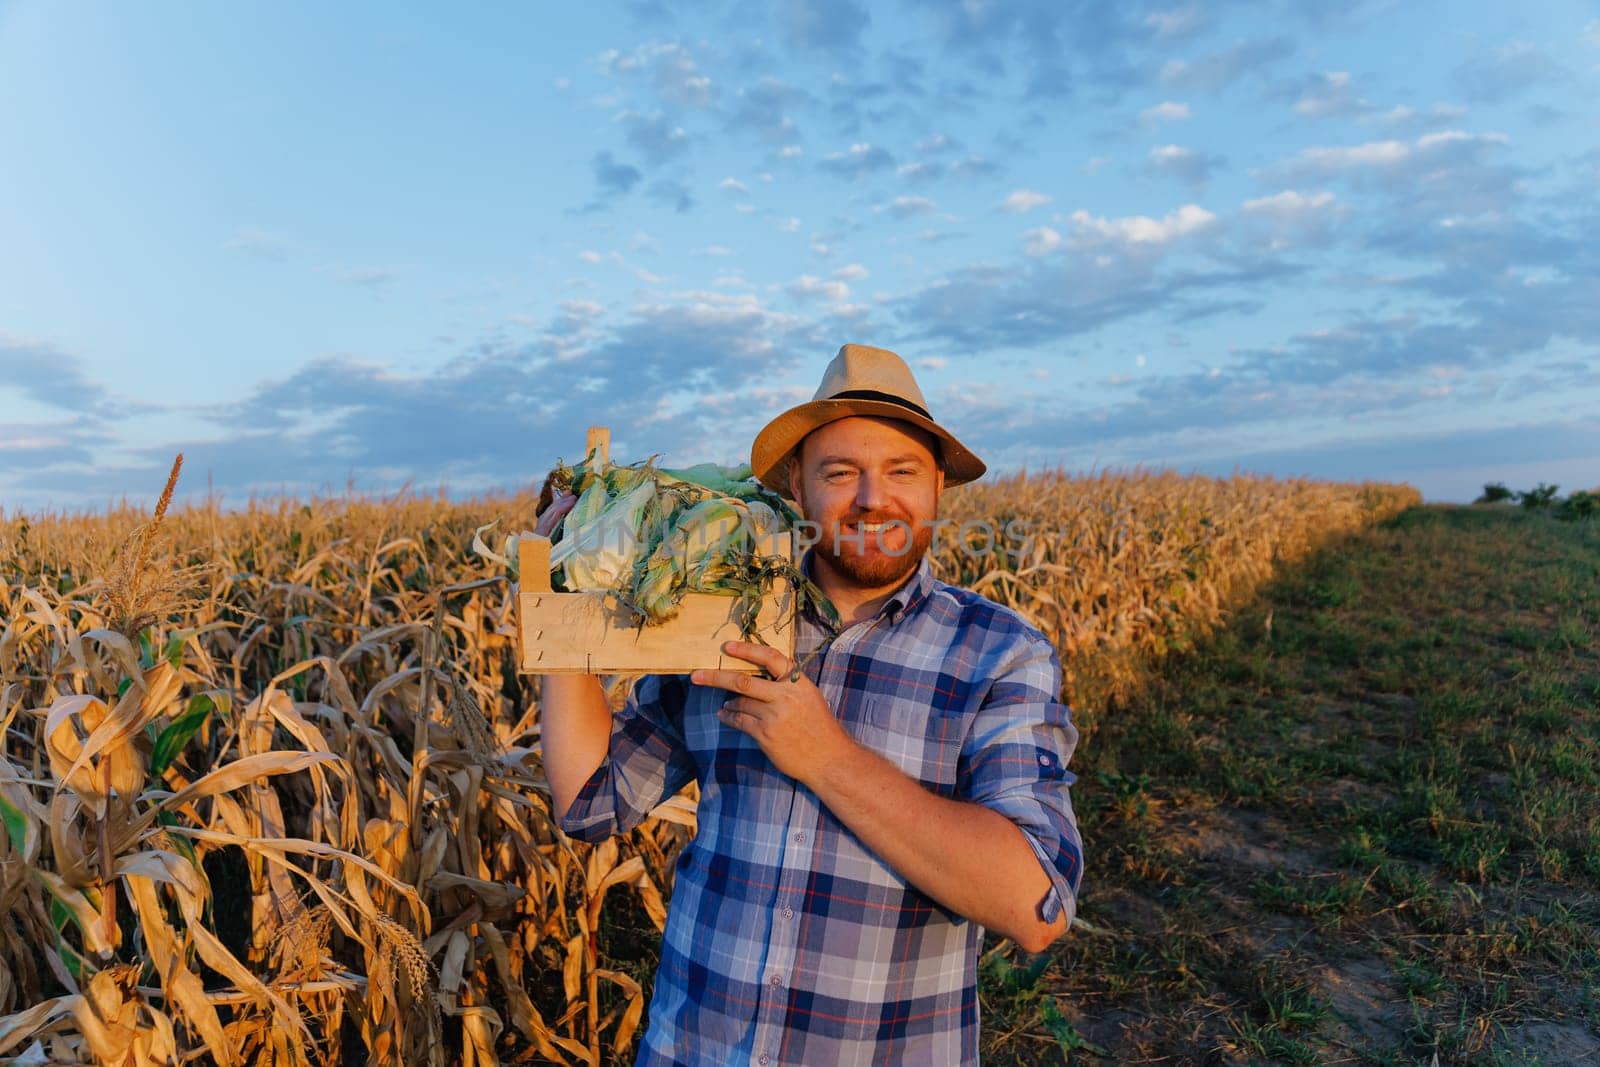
(1361, 825)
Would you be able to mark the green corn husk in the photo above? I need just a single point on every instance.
(602, 540)
(700, 537)
(649, 535)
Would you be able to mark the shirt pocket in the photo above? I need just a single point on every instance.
(914, 737)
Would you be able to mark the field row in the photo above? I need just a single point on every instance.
(271, 785)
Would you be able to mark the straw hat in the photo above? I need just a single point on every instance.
(861, 380)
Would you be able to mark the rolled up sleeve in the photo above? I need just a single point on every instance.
(647, 762)
(1015, 761)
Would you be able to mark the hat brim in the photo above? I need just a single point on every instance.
(779, 438)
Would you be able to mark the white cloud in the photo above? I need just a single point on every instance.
(850, 312)
(933, 363)
(1330, 96)
(904, 207)
(1406, 116)
(1174, 161)
(733, 185)
(808, 285)
(1289, 205)
(1140, 229)
(1183, 163)
(10, 443)
(1293, 214)
(1166, 111)
(862, 159)
(582, 309)
(790, 225)
(589, 256)
(851, 272)
(673, 71)
(1371, 154)
(1023, 200)
(1178, 22)
(1041, 242)
(1448, 137)
(714, 250)
(1390, 153)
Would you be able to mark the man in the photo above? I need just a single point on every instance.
(862, 817)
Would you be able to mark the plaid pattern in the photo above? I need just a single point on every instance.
(787, 940)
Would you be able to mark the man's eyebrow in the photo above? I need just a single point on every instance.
(906, 457)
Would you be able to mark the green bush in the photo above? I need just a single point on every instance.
(1542, 497)
(1580, 505)
(1493, 493)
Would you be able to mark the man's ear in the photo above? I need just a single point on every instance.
(792, 467)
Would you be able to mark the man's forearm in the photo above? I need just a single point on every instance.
(969, 858)
(575, 733)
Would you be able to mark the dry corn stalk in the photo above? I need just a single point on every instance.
(300, 811)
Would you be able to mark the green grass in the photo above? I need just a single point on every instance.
(1361, 824)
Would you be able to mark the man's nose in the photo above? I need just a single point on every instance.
(871, 492)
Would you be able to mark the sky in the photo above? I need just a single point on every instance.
(361, 246)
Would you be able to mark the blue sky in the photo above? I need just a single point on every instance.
(315, 246)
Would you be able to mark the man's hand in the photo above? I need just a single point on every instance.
(551, 515)
(790, 720)
(969, 858)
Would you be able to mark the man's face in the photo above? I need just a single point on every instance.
(873, 486)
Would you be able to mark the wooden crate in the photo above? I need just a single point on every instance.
(590, 633)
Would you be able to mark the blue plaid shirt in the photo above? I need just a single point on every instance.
(787, 940)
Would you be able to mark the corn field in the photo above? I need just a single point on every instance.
(271, 787)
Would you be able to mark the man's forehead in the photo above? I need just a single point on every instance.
(902, 440)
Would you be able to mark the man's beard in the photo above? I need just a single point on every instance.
(840, 551)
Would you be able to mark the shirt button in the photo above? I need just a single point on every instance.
(775, 981)
(800, 837)
(788, 913)
(764, 1059)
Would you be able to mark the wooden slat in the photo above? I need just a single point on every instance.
(533, 563)
(578, 633)
(572, 633)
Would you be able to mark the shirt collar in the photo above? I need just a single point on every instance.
(912, 592)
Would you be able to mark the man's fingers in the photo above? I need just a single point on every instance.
(735, 682)
(739, 714)
(769, 659)
(552, 515)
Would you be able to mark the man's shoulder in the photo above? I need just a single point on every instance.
(969, 610)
